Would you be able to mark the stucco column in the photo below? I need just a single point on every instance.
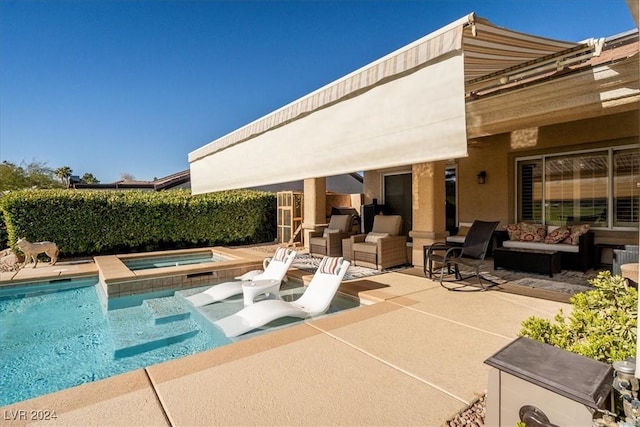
(429, 221)
(315, 200)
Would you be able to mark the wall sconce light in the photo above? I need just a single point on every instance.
(482, 177)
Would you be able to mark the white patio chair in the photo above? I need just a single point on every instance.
(315, 300)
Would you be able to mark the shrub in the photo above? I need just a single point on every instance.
(602, 325)
(99, 222)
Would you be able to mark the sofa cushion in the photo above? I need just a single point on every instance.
(541, 246)
(557, 235)
(374, 237)
(328, 231)
(391, 224)
(370, 248)
(340, 223)
(462, 230)
(532, 232)
(456, 239)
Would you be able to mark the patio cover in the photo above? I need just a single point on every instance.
(408, 107)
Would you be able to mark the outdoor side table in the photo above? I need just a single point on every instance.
(427, 266)
(252, 289)
(630, 272)
(604, 250)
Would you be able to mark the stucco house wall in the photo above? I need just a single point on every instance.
(496, 154)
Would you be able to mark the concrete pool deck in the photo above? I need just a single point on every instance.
(414, 357)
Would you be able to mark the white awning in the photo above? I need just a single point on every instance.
(408, 107)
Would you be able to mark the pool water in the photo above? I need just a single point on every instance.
(55, 336)
(55, 340)
(173, 260)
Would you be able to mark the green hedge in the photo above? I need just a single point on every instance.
(100, 222)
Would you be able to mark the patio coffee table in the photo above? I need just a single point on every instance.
(269, 287)
(527, 260)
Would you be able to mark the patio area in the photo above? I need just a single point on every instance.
(413, 356)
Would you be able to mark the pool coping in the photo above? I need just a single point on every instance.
(112, 272)
(116, 279)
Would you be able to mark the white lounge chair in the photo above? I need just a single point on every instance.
(275, 268)
(315, 300)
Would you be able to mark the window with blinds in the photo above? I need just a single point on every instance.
(596, 188)
(576, 189)
(626, 167)
(530, 191)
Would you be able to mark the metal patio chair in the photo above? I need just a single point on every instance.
(470, 254)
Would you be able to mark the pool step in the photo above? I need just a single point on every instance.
(167, 310)
(135, 349)
(147, 335)
(161, 322)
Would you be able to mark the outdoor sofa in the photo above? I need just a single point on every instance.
(575, 243)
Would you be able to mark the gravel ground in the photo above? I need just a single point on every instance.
(472, 416)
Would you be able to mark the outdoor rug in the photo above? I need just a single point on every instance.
(306, 262)
(568, 282)
(552, 285)
(565, 283)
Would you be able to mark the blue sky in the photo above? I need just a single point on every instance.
(113, 87)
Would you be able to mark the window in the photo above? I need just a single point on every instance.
(576, 189)
(596, 188)
(530, 191)
(626, 167)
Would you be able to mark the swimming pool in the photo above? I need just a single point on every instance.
(145, 263)
(56, 335)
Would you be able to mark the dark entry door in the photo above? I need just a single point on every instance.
(451, 198)
(397, 199)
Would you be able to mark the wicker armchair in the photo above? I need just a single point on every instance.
(383, 247)
(628, 255)
(328, 242)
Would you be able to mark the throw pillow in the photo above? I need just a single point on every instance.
(330, 265)
(462, 230)
(374, 237)
(280, 255)
(580, 228)
(328, 231)
(575, 233)
(514, 231)
(557, 235)
(532, 232)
